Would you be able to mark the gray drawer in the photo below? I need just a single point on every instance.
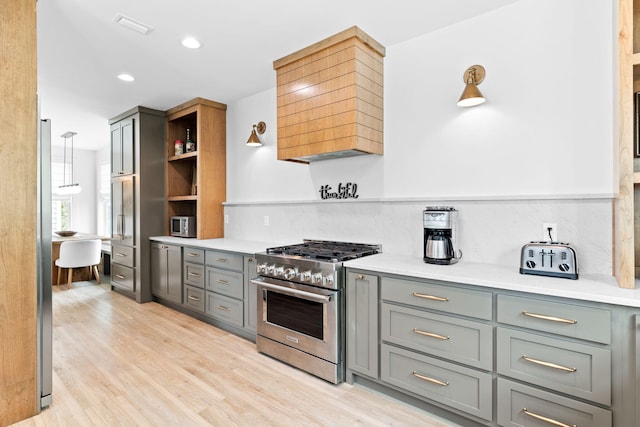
(194, 298)
(456, 339)
(580, 370)
(194, 255)
(224, 282)
(224, 308)
(224, 260)
(194, 274)
(462, 388)
(518, 406)
(124, 255)
(587, 323)
(433, 296)
(123, 277)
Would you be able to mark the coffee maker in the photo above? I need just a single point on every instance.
(440, 235)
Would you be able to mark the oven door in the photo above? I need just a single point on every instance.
(300, 316)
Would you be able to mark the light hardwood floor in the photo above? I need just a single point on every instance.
(116, 362)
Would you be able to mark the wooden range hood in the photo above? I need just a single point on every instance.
(330, 99)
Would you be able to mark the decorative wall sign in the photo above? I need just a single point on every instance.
(344, 191)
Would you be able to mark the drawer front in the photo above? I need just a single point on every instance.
(228, 283)
(123, 277)
(443, 336)
(194, 274)
(520, 405)
(194, 255)
(194, 298)
(587, 323)
(227, 309)
(577, 369)
(467, 302)
(225, 260)
(124, 255)
(456, 386)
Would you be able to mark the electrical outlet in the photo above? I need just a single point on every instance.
(550, 232)
(266, 220)
(226, 219)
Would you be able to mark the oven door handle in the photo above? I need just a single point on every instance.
(293, 292)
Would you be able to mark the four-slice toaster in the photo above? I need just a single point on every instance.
(555, 259)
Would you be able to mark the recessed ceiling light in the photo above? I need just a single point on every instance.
(126, 77)
(134, 25)
(191, 43)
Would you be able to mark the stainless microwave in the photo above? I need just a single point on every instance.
(183, 226)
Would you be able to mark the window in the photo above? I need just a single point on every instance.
(60, 205)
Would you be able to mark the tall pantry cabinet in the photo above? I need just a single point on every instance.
(137, 191)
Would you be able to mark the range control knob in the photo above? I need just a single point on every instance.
(290, 273)
(305, 276)
(261, 268)
(279, 271)
(271, 269)
(316, 278)
(564, 267)
(531, 264)
(327, 280)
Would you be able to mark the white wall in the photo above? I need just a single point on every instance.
(539, 150)
(546, 128)
(83, 212)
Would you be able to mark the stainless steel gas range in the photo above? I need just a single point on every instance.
(301, 304)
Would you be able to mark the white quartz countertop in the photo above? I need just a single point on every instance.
(598, 288)
(230, 245)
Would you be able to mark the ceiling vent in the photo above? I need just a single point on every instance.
(134, 25)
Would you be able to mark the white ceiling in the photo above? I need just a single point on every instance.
(81, 49)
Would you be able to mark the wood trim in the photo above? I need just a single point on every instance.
(330, 41)
(18, 352)
(190, 106)
(623, 247)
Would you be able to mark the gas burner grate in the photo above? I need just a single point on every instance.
(326, 251)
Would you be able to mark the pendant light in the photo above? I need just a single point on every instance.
(71, 188)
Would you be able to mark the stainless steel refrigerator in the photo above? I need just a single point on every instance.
(44, 232)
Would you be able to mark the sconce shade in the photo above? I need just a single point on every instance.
(254, 139)
(471, 95)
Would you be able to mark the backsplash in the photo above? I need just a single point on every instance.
(489, 231)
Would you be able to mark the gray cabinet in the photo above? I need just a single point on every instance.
(166, 272)
(224, 287)
(137, 198)
(493, 357)
(250, 295)
(362, 324)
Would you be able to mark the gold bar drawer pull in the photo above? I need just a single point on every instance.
(191, 254)
(193, 274)
(120, 254)
(431, 297)
(222, 307)
(222, 260)
(431, 380)
(547, 420)
(120, 276)
(192, 298)
(548, 364)
(549, 318)
(430, 334)
(223, 282)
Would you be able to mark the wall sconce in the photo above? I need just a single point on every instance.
(254, 139)
(471, 96)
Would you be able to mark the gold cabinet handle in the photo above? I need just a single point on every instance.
(221, 260)
(431, 380)
(120, 254)
(548, 364)
(547, 420)
(120, 276)
(431, 297)
(222, 307)
(191, 254)
(193, 274)
(192, 298)
(360, 276)
(550, 318)
(223, 282)
(430, 334)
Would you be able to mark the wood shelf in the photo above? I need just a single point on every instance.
(190, 155)
(181, 198)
